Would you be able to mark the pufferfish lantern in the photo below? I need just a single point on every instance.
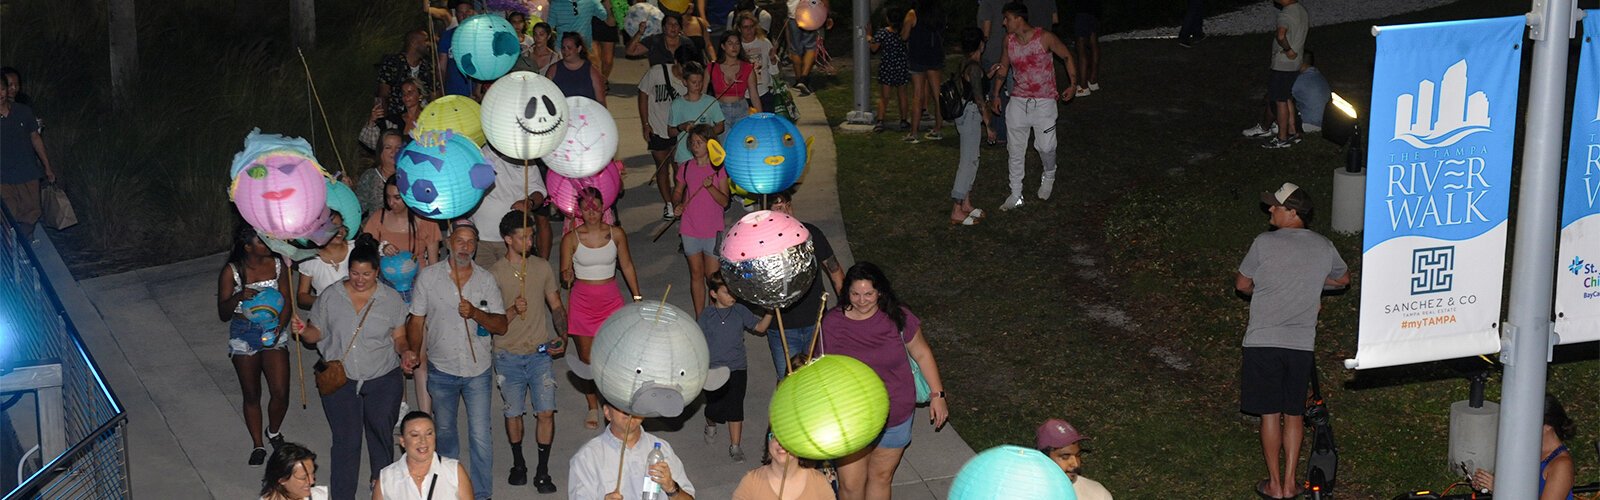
(456, 113)
(399, 270)
(650, 359)
(645, 13)
(442, 177)
(278, 186)
(765, 153)
(485, 46)
(590, 142)
(810, 15)
(524, 115)
(767, 259)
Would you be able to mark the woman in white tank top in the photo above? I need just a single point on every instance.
(421, 474)
(590, 256)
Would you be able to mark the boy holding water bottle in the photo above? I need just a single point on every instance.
(650, 469)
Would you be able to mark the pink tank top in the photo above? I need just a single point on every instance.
(1032, 72)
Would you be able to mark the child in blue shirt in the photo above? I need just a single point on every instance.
(724, 323)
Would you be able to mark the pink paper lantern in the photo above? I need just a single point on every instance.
(761, 234)
(767, 259)
(564, 190)
(282, 194)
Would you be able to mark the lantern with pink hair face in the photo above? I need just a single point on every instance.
(278, 187)
(565, 191)
(767, 259)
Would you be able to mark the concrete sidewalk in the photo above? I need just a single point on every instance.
(154, 332)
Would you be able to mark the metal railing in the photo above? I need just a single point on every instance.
(76, 407)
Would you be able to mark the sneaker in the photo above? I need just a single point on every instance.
(519, 476)
(933, 135)
(1083, 92)
(1259, 132)
(544, 485)
(1294, 139)
(736, 453)
(711, 434)
(877, 126)
(910, 139)
(276, 440)
(666, 212)
(258, 456)
(1094, 86)
(1045, 188)
(1187, 43)
(1309, 128)
(1276, 143)
(802, 89)
(1011, 202)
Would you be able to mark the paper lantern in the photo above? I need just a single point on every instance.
(645, 13)
(767, 259)
(765, 153)
(564, 190)
(1009, 472)
(619, 8)
(399, 270)
(282, 194)
(443, 177)
(343, 200)
(262, 310)
(524, 115)
(649, 359)
(676, 6)
(537, 9)
(589, 143)
(811, 15)
(829, 408)
(455, 113)
(485, 46)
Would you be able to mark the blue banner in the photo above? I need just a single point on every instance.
(1577, 301)
(1439, 151)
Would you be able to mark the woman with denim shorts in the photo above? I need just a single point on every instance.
(256, 348)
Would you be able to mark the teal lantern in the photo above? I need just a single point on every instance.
(830, 408)
(765, 153)
(1010, 472)
(442, 176)
(485, 46)
(341, 199)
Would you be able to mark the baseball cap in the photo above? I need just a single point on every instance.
(1056, 433)
(1288, 196)
(463, 223)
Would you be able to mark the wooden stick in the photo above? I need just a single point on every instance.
(300, 357)
(433, 47)
(783, 336)
(783, 479)
(663, 302)
(464, 325)
(622, 458)
(332, 143)
(663, 229)
(817, 332)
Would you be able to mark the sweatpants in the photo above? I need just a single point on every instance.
(1035, 115)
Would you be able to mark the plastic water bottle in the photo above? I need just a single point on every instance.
(652, 490)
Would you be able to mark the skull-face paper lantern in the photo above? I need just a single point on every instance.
(649, 359)
(564, 190)
(455, 113)
(485, 46)
(590, 142)
(767, 259)
(444, 177)
(810, 15)
(399, 270)
(524, 115)
(645, 13)
(1008, 471)
(765, 153)
(829, 408)
(282, 194)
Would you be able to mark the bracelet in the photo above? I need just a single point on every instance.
(676, 488)
(936, 394)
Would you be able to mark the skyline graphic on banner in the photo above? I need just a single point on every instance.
(1459, 114)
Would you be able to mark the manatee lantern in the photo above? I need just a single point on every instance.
(645, 13)
(455, 113)
(590, 141)
(262, 310)
(1008, 472)
(564, 190)
(765, 153)
(442, 177)
(829, 408)
(524, 115)
(810, 15)
(767, 259)
(485, 46)
(399, 270)
(649, 359)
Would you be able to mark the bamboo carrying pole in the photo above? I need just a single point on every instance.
(333, 143)
(816, 332)
(464, 324)
(300, 357)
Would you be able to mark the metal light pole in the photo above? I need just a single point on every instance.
(861, 80)
(1526, 341)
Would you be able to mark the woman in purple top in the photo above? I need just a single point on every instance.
(873, 327)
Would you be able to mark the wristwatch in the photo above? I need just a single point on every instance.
(936, 395)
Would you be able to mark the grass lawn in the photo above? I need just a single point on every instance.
(1112, 303)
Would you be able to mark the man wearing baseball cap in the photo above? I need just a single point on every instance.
(1284, 274)
(1058, 440)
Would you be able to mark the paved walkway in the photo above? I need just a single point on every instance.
(155, 334)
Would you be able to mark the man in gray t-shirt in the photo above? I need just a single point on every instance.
(1284, 274)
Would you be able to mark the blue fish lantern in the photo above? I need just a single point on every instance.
(399, 270)
(262, 310)
(442, 176)
(765, 153)
(485, 47)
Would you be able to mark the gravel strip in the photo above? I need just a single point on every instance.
(1261, 17)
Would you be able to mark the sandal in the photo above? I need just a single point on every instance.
(877, 127)
(593, 420)
(1261, 488)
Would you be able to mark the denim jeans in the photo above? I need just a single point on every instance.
(799, 342)
(446, 390)
(970, 126)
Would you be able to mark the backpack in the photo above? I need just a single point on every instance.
(954, 94)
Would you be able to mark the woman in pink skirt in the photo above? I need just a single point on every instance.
(590, 256)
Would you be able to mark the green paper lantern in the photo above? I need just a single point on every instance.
(829, 408)
(1010, 472)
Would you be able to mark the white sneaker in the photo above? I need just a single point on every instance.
(1011, 202)
(1083, 92)
(1257, 131)
(1309, 128)
(1094, 86)
(1045, 187)
(666, 212)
